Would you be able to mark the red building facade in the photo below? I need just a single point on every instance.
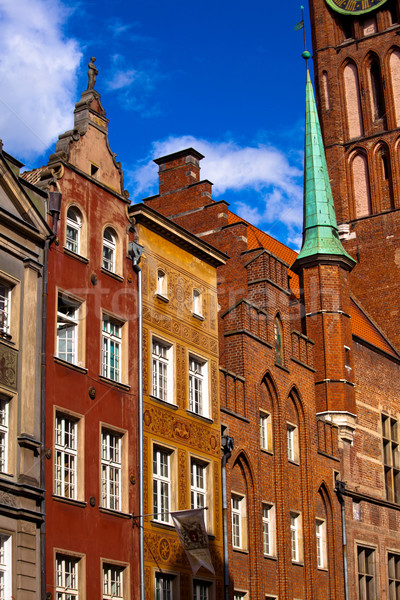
(92, 369)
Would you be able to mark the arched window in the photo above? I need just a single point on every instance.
(361, 187)
(109, 250)
(385, 178)
(377, 99)
(353, 103)
(278, 341)
(161, 283)
(391, 7)
(395, 77)
(73, 232)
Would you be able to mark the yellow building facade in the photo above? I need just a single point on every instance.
(181, 422)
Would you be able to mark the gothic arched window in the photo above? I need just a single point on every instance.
(278, 340)
(377, 99)
(353, 103)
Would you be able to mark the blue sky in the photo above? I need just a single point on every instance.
(225, 77)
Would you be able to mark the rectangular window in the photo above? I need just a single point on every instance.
(292, 443)
(198, 393)
(5, 567)
(161, 368)
(197, 303)
(164, 586)
(239, 533)
(111, 469)
(111, 349)
(66, 455)
(67, 328)
(67, 578)
(239, 595)
(4, 432)
(161, 484)
(113, 582)
(268, 523)
(161, 283)
(320, 532)
(391, 458)
(201, 590)
(265, 432)
(5, 304)
(295, 524)
(394, 576)
(198, 484)
(366, 573)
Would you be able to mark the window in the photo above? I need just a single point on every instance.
(4, 431)
(67, 578)
(198, 484)
(278, 341)
(111, 469)
(66, 454)
(111, 353)
(113, 582)
(292, 443)
(238, 521)
(161, 283)
(366, 573)
(197, 310)
(391, 458)
(109, 250)
(394, 576)
(268, 523)
(265, 432)
(67, 328)
(201, 590)
(5, 305)
(161, 484)
(5, 567)
(73, 232)
(164, 586)
(239, 595)
(295, 525)
(198, 394)
(377, 100)
(162, 367)
(320, 532)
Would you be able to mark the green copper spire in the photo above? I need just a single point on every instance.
(320, 232)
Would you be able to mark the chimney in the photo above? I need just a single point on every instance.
(178, 170)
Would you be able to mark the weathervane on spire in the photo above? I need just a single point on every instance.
(300, 25)
(92, 73)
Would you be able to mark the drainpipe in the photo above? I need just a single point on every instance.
(227, 446)
(135, 251)
(340, 489)
(54, 209)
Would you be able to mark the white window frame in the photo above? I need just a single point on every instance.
(202, 589)
(68, 328)
(67, 577)
(292, 442)
(268, 523)
(110, 248)
(111, 469)
(73, 244)
(4, 432)
(66, 456)
(320, 533)
(197, 303)
(170, 581)
(295, 533)
(198, 386)
(240, 595)
(198, 484)
(5, 308)
(5, 566)
(238, 506)
(113, 582)
(111, 348)
(161, 368)
(265, 431)
(161, 283)
(161, 484)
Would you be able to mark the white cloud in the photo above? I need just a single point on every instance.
(122, 79)
(38, 69)
(258, 174)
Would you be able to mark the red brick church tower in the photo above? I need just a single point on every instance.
(357, 74)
